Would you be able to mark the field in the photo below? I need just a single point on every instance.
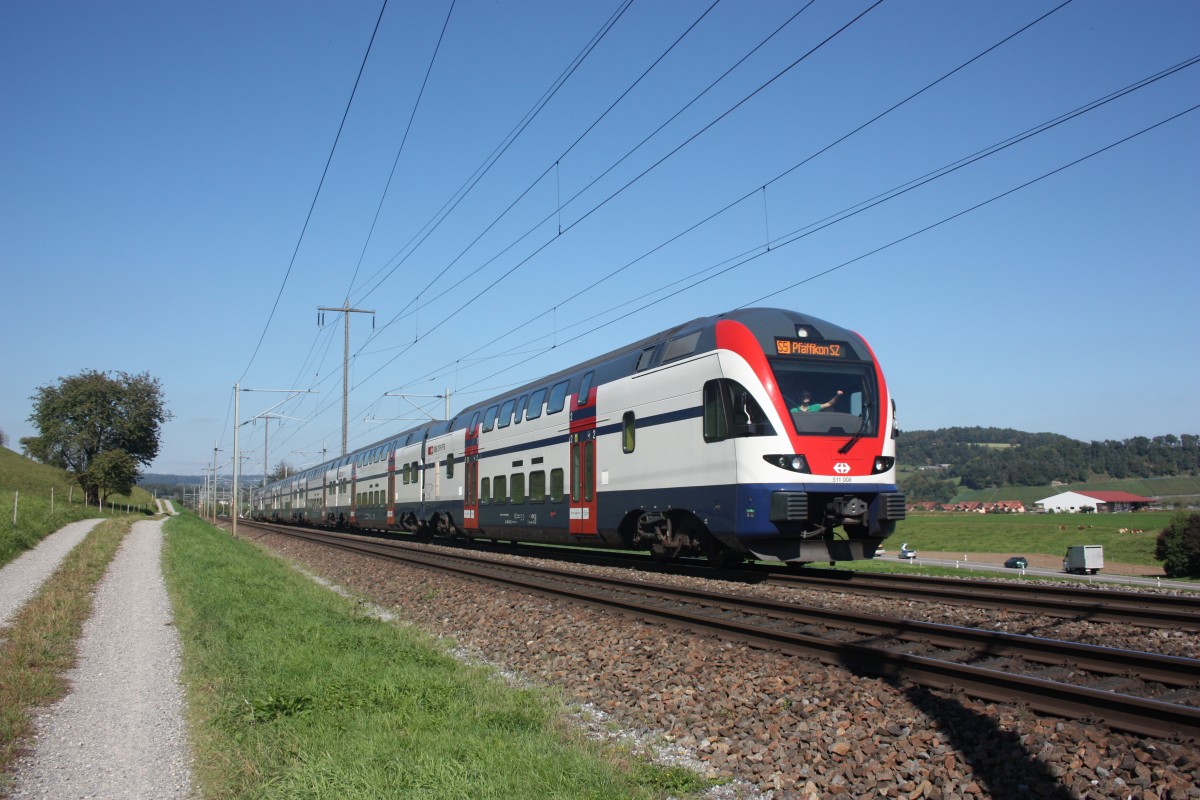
(1027, 534)
(297, 692)
(46, 499)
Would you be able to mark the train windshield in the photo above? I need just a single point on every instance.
(829, 399)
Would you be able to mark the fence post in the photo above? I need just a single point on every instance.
(51, 499)
(16, 498)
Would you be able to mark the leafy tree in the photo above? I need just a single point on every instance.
(281, 471)
(3, 439)
(92, 413)
(925, 485)
(113, 472)
(1178, 546)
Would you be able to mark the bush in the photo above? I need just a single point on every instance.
(1178, 546)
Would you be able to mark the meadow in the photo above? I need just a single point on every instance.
(1026, 534)
(45, 499)
(295, 691)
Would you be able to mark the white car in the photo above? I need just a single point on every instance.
(907, 552)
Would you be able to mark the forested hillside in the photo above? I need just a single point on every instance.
(983, 457)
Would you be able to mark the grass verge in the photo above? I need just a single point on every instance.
(294, 692)
(39, 643)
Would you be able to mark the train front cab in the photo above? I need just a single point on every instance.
(815, 483)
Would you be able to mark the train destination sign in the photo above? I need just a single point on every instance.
(802, 347)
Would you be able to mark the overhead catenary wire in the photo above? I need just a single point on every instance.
(1009, 37)
(556, 305)
(312, 206)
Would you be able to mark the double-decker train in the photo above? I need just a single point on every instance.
(760, 433)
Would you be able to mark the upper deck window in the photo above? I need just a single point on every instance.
(506, 412)
(535, 404)
(585, 389)
(558, 398)
(683, 346)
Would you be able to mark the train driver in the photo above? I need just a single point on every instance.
(806, 403)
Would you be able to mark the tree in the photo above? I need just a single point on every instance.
(92, 413)
(926, 485)
(281, 471)
(1178, 546)
(3, 439)
(113, 472)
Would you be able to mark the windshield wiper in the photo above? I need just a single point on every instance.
(862, 431)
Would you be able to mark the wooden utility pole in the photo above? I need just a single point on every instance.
(346, 311)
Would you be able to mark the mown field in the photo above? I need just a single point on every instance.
(295, 691)
(1026, 534)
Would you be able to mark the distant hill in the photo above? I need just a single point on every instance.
(976, 463)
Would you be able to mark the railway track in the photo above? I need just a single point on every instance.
(1146, 609)
(1144, 693)
(1142, 609)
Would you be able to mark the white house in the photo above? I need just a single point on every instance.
(1093, 501)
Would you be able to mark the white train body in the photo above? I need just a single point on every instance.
(693, 441)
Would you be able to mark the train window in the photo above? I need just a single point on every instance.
(731, 411)
(683, 346)
(716, 421)
(645, 358)
(537, 486)
(474, 422)
(576, 475)
(521, 409)
(844, 397)
(485, 491)
(500, 490)
(516, 487)
(489, 418)
(558, 397)
(627, 432)
(556, 485)
(534, 409)
(585, 389)
(449, 465)
(589, 470)
(506, 412)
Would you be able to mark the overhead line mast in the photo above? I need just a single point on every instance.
(346, 311)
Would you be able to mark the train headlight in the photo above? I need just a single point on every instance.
(793, 462)
(882, 464)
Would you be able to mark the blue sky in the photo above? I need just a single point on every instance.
(158, 163)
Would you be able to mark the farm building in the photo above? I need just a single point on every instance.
(1102, 502)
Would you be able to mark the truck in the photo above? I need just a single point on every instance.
(1084, 559)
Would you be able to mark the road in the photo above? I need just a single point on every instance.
(941, 560)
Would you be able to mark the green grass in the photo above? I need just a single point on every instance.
(294, 692)
(38, 645)
(1025, 534)
(46, 499)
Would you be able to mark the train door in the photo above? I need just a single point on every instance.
(391, 488)
(471, 480)
(583, 461)
(353, 494)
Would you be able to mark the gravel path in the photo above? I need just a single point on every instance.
(21, 578)
(120, 732)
